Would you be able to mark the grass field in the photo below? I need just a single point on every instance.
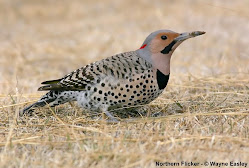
(201, 116)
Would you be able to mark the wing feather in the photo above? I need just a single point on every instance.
(120, 66)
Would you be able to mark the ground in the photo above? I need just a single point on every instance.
(201, 116)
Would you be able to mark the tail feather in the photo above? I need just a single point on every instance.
(46, 99)
(31, 107)
(51, 82)
(53, 98)
(55, 87)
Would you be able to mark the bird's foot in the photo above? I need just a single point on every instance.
(109, 118)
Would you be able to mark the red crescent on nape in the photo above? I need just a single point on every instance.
(143, 46)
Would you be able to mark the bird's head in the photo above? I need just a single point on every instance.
(159, 46)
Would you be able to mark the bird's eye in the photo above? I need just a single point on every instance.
(163, 37)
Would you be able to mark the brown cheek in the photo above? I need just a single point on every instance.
(157, 44)
(172, 36)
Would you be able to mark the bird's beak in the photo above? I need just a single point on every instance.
(187, 35)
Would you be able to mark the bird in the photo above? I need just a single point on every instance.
(123, 80)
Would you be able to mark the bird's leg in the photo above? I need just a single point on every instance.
(111, 118)
(71, 104)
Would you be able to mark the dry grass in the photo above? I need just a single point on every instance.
(202, 115)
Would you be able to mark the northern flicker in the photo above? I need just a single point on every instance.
(123, 80)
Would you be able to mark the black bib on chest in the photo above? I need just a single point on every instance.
(162, 79)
